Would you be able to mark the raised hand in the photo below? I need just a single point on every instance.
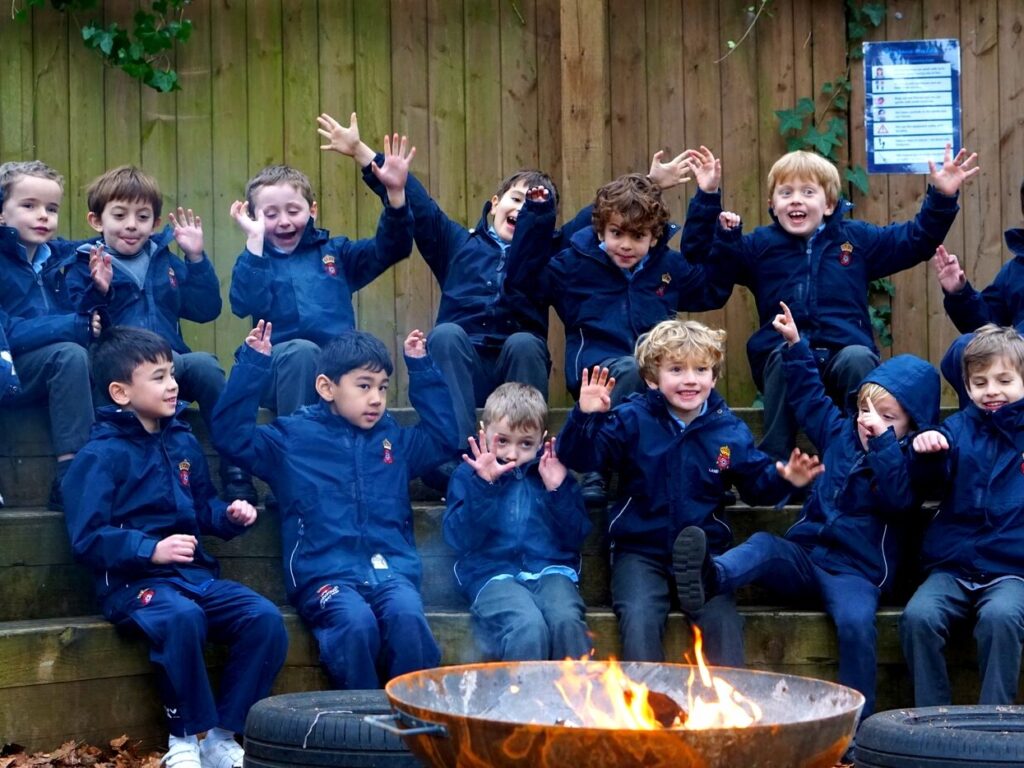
(596, 390)
(538, 194)
(339, 138)
(706, 168)
(101, 270)
(669, 174)
(485, 462)
(398, 156)
(871, 421)
(552, 471)
(415, 344)
(95, 324)
(255, 229)
(931, 441)
(241, 512)
(948, 270)
(801, 468)
(786, 325)
(176, 548)
(188, 233)
(728, 220)
(954, 171)
(259, 337)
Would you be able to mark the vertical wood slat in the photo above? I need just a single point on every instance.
(667, 83)
(17, 141)
(301, 92)
(627, 52)
(122, 100)
(51, 134)
(264, 64)
(518, 85)
(86, 136)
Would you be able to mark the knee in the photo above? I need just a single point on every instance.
(856, 626)
(526, 344)
(526, 640)
(920, 620)
(265, 622)
(300, 352)
(71, 359)
(999, 622)
(445, 337)
(188, 626)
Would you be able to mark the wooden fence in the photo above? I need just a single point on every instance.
(586, 89)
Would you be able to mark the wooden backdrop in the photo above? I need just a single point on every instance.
(586, 89)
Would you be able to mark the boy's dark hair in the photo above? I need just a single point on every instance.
(636, 199)
(532, 178)
(120, 350)
(12, 171)
(126, 183)
(351, 350)
(992, 341)
(278, 174)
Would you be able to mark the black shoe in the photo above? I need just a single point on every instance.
(693, 568)
(593, 488)
(237, 485)
(55, 503)
(438, 477)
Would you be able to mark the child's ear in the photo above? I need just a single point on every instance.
(495, 200)
(95, 221)
(312, 210)
(157, 222)
(324, 387)
(651, 384)
(118, 392)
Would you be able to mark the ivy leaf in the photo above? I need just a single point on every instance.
(789, 121)
(858, 177)
(841, 102)
(164, 81)
(822, 141)
(875, 13)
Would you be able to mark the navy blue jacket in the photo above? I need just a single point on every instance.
(603, 310)
(1001, 303)
(471, 267)
(307, 294)
(978, 531)
(127, 489)
(855, 517)
(824, 280)
(343, 491)
(38, 308)
(669, 477)
(9, 384)
(512, 525)
(172, 289)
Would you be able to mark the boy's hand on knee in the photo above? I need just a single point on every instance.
(259, 337)
(101, 268)
(596, 390)
(954, 170)
(801, 468)
(948, 270)
(485, 462)
(931, 441)
(241, 512)
(176, 548)
(415, 344)
(785, 325)
(552, 471)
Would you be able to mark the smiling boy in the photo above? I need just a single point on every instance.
(973, 549)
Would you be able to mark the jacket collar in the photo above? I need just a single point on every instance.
(112, 420)
(311, 236)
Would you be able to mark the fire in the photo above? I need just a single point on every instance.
(610, 699)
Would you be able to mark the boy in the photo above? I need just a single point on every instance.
(340, 471)
(300, 278)
(842, 551)
(517, 521)
(48, 336)
(820, 265)
(138, 498)
(973, 549)
(132, 274)
(678, 448)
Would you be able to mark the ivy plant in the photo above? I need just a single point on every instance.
(142, 50)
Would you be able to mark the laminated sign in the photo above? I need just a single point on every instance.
(912, 103)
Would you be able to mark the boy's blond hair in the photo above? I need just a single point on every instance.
(14, 170)
(278, 174)
(522, 405)
(990, 342)
(807, 166)
(127, 184)
(679, 339)
(637, 200)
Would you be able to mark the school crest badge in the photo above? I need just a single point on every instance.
(184, 471)
(172, 278)
(146, 596)
(666, 278)
(723, 460)
(846, 253)
(329, 265)
(388, 457)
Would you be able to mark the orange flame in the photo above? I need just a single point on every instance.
(610, 699)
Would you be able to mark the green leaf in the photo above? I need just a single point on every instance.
(875, 13)
(789, 121)
(805, 106)
(827, 88)
(841, 102)
(822, 141)
(164, 81)
(858, 177)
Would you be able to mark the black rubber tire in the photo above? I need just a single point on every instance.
(285, 732)
(942, 737)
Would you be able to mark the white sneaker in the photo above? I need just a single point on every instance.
(221, 753)
(183, 753)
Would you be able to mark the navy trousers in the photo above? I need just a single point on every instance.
(370, 633)
(177, 618)
(59, 374)
(293, 366)
(787, 569)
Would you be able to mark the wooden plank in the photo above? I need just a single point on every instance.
(628, 50)
(484, 113)
(773, 39)
(16, 119)
(122, 101)
(301, 95)
(518, 85)
(85, 150)
(667, 81)
(51, 99)
(265, 56)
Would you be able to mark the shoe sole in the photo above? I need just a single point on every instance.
(688, 553)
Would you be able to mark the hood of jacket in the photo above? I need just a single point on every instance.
(915, 385)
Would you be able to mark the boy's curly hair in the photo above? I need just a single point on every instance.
(522, 405)
(126, 183)
(990, 342)
(682, 340)
(532, 178)
(808, 166)
(278, 174)
(637, 200)
(12, 171)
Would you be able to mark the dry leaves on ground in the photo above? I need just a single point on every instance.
(119, 754)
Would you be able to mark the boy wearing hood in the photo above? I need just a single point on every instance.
(821, 265)
(842, 551)
(973, 549)
(517, 521)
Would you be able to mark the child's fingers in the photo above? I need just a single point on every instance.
(786, 313)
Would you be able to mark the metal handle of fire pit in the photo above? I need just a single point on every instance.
(413, 725)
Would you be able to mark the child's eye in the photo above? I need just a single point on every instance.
(52, 209)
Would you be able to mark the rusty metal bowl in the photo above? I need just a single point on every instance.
(507, 714)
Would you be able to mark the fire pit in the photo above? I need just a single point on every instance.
(518, 714)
